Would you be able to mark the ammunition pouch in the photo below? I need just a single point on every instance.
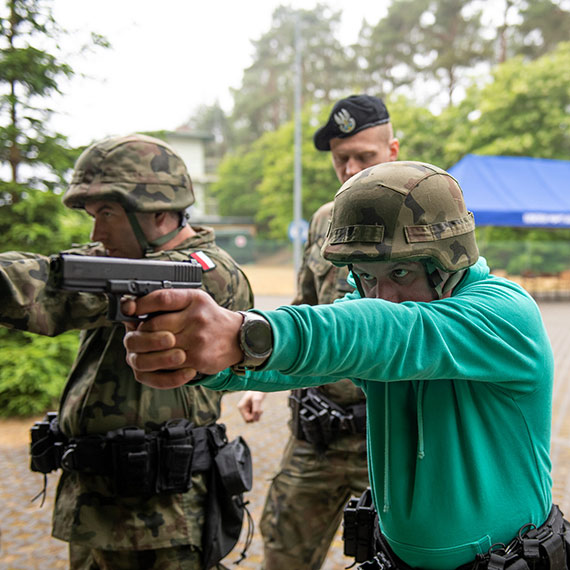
(47, 444)
(358, 527)
(139, 462)
(318, 420)
(543, 548)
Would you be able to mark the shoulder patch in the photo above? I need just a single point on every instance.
(205, 261)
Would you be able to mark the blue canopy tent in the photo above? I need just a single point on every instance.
(515, 191)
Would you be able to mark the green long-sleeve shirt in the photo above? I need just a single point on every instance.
(459, 408)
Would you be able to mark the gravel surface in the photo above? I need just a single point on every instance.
(25, 541)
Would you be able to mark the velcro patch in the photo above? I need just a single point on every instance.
(361, 234)
(441, 230)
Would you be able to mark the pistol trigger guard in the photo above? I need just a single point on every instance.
(115, 314)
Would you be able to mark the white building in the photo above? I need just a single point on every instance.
(191, 147)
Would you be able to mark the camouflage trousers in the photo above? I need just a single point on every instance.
(185, 557)
(305, 503)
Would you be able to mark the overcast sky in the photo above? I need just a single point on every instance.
(167, 58)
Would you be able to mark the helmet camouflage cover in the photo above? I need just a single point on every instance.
(401, 210)
(143, 173)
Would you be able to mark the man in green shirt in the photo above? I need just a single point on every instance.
(455, 363)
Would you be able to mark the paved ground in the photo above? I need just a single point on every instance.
(26, 543)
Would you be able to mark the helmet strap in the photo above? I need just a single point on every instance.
(150, 246)
(442, 281)
(357, 281)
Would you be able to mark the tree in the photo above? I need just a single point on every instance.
(386, 50)
(421, 133)
(532, 28)
(422, 44)
(544, 25)
(521, 112)
(212, 119)
(37, 158)
(257, 180)
(451, 37)
(264, 101)
(35, 162)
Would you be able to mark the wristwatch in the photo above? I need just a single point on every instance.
(255, 341)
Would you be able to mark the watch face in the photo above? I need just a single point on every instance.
(257, 336)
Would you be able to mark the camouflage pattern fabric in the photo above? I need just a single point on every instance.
(306, 498)
(185, 557)
(401, 211)
(142, 173)
(101, 394)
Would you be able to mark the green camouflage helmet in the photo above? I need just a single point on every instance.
(143, 173)
(401, 211)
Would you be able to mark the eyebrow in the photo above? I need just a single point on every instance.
(389, 263)
(103, 208)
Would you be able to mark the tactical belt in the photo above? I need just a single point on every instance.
(138, 462)
(318, 420)
(544, 548)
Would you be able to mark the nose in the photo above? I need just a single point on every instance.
(96, 232)
(385, 290)
(352, 167)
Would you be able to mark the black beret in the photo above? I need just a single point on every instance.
(350, 116)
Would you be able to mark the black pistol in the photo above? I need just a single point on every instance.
(118, 276)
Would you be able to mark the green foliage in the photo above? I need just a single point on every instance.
(520, 251)
(422, 134)
(258, 180)
(33, 370)
(32, 217)
(542, 25)
(38, 222)
(383, 49)
(522, 112)
(35, 165)
(239, 175)
(422, 41)
(264, 100)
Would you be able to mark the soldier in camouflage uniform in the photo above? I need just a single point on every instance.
(301, 514)
(137, 189)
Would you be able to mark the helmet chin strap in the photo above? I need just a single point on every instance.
(357, 281)
(150, 246)
(442, 281)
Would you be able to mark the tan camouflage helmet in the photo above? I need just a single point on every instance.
(401, 210)
(143, 173)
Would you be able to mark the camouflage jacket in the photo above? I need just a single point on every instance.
(320, 282)
(101, 394)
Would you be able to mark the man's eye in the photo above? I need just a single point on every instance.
(400, 273)
(366, 277)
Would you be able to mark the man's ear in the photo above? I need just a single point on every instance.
(394, 148)
(160, 218)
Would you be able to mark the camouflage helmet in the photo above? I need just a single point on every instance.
(401, 210)
(142, 173)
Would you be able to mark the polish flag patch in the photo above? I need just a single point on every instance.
(206, 263)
